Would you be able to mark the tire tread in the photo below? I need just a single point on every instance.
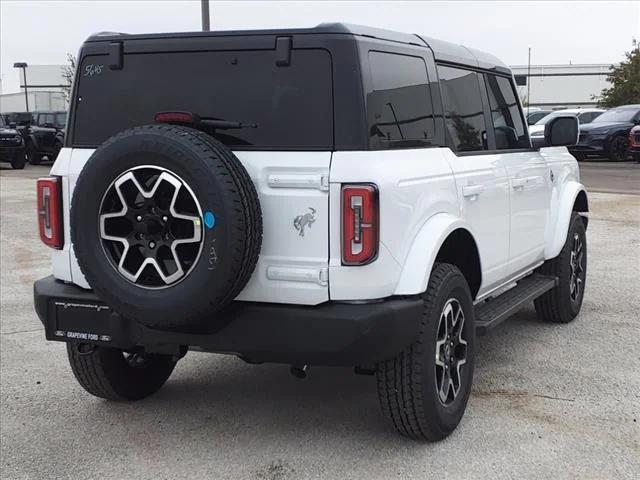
(399, 380)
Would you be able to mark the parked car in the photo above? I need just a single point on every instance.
(584, 115)
(45, 135)
(534, 117)
(11, 145)
(22, 120)
(338, 195)
(634, 143)
(608, 135)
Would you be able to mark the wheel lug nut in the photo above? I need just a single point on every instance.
(452, 344)
(139, 218)
(451, 359)
(152, 245)
(165, 218)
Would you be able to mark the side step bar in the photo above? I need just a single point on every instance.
(494, 311)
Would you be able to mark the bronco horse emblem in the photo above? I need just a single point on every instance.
(306, 220)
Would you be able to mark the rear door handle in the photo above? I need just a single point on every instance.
(472, 190)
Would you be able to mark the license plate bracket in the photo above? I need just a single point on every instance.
(81, 321)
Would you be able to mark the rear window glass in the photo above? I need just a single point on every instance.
(399, 107)
(463, 109)
(291, 106)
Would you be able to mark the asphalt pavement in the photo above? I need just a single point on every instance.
(549, 401)
(611, 177)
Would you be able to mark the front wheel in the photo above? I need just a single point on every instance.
(117, 375)
(562, 303)
(424, 389)
(618, 149)
(18, 162)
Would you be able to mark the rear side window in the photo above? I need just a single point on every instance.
(588, 117)
(508, 125)
(463, 110)
(292, 105)
(47, 119)
(399, 107)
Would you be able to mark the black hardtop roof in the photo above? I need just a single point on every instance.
(443, 51)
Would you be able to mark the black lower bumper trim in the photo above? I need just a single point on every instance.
(581, 148)
(327, 334)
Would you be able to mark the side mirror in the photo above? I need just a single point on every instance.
(561, 131)
(13, 125)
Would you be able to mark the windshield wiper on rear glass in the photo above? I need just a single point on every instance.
(219, 124)
(195, 119)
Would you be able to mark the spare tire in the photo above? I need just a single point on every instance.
(166, 225)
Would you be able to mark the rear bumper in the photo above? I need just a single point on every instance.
(327, 334)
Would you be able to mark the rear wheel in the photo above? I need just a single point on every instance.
(117, 375)
(618, 149)
(424, 389)
(562, 303)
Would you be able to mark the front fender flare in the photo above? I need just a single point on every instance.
(418, 264)
(560, 217)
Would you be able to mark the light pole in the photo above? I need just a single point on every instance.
(205, 15)
(23, 66)
(529, 82)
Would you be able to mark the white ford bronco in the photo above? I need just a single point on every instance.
(338, 195)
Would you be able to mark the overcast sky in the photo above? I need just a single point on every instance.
(42, 32)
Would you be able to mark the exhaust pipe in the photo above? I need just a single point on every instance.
(299, 372)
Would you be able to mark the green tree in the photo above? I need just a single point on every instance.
(68, 74)
(624, 79)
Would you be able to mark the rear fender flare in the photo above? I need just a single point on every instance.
(418, 264)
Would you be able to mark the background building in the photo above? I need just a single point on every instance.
(45, 89)
(557, 86)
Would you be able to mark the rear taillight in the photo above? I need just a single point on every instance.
(50, 211)
(359, 224)
(175, 117)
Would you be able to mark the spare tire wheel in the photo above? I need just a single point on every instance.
(166, 225)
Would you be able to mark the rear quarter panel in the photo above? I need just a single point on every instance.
(414, 185)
